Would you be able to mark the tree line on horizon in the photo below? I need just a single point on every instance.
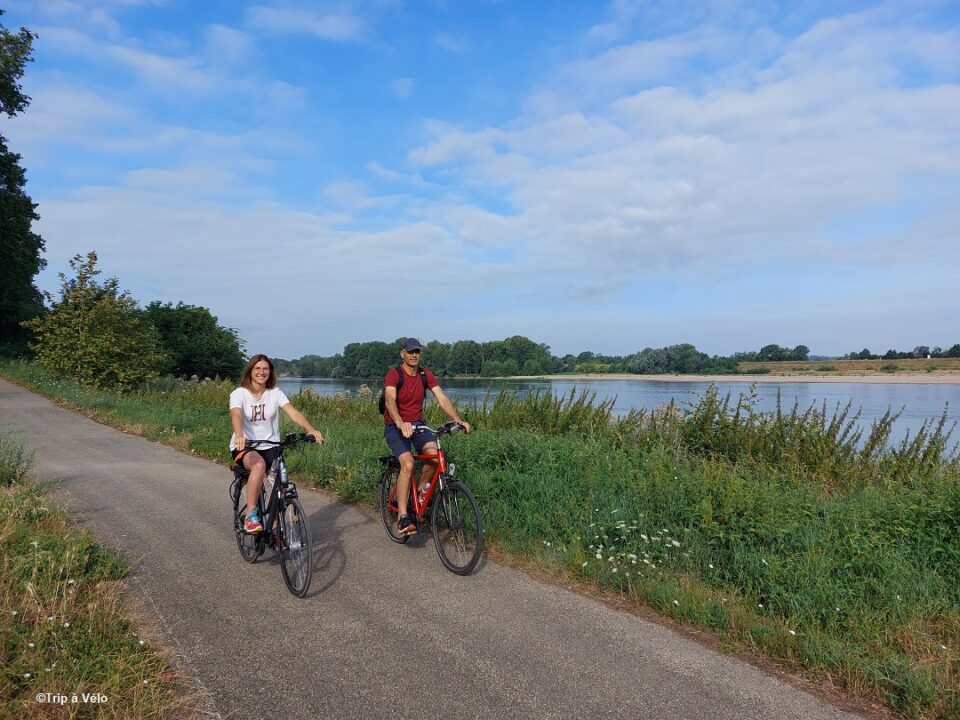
(518, 355)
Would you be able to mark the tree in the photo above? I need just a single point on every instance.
(194, 343)
(20, 247)
(95, 334)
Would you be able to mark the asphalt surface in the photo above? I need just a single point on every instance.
(385, 631)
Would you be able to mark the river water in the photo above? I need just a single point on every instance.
(916, 402)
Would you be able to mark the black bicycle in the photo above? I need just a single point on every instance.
(285, 526)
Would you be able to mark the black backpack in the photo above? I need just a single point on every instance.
(382, 404)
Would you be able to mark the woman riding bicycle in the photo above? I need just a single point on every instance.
(254, 415)
(404, 407)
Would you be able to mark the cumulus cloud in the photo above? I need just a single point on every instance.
(284, 20)
(712, 172)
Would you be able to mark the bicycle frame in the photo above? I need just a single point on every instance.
(271, 507)
(441, 470)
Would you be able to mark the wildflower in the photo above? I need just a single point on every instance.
(598, 556)
(792, 632)
(69, 582)
(66, 624)
(759, 605)
(645, 538)
(584, 564)
(30, 645)
(711, 566)
(26, 675)
(141, 642)
(764, 561)
(943, 647)
(13, 612)
(614, 569)
(677, 603)
(675, 543)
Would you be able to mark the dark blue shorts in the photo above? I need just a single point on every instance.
(400, 445)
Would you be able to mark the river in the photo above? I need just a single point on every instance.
(918, 402)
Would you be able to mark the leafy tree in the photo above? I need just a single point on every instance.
(465, 358)
(921, 351)
(20, 247)
(953, 351)
(96, 334)
(194, 343)
(800, 352)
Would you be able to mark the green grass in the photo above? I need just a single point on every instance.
(63, 628)
(791, 534)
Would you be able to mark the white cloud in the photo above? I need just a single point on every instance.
(335, 27)
(451, 43)
(403, 87)
(712, 173)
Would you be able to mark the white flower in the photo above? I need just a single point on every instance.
(66, 624)
(711, 566)
(69, 582)
(26, 675)
(13, 612)
(614, 569)
(598, 556)
(584, 564)
(759, 605)
(675, 543)
(792, 632)
(30, 645)
(764, 561)
(676, 602)
(141, 642)
(943, 647)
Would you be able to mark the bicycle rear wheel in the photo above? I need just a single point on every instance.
(388, 506)
(250, 548)
(296, 548)
(457, 528)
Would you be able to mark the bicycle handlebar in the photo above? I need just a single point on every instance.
(445, 429)
(289, 441)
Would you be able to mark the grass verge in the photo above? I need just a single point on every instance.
(791, 534)
(69, 650)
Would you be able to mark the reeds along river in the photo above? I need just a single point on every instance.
(916, 403)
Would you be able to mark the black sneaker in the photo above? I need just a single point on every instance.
(407, 525)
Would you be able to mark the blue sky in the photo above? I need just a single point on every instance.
(600, 176)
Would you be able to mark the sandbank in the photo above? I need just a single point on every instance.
(932, 378)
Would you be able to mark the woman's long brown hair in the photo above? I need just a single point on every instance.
(247, 382)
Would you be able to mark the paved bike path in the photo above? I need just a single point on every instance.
(385, 631)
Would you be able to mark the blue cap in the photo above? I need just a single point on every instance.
(410, 344)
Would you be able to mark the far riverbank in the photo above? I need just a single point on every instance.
(924, 379)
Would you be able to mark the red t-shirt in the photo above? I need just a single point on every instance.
(410, 396)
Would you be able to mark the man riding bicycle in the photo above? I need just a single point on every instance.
(404, 396)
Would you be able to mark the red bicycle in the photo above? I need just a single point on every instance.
(455, 518)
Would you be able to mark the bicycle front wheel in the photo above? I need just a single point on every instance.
(296, 548)
(250, 549)
(457, 528)
(388, 506)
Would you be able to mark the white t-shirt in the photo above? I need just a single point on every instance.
(261, 418)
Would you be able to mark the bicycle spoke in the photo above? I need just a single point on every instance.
(457, 528)
(296, 556)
